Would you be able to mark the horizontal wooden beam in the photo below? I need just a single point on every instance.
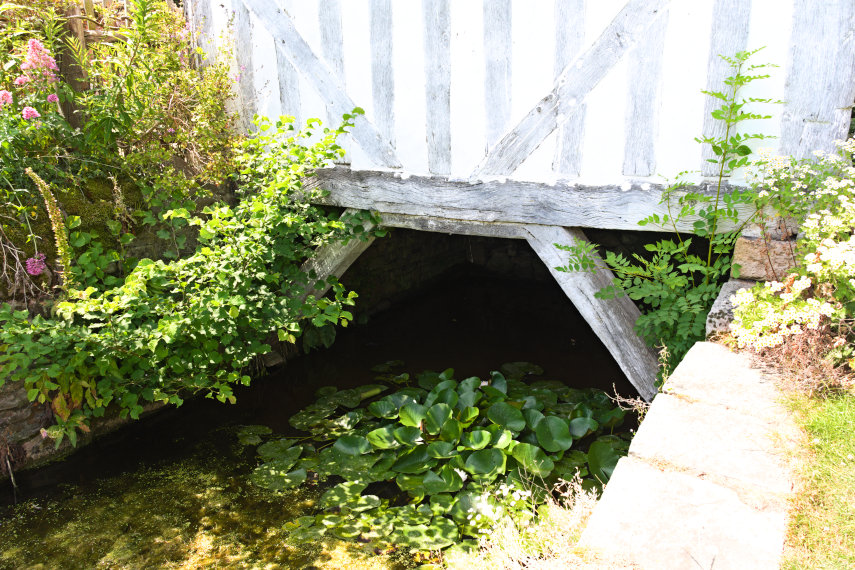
(561, 204)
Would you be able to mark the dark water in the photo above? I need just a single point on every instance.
(171, 487)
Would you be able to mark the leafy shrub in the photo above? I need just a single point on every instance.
(460, 454)
(193, 325)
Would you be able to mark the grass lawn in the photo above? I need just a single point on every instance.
(822, 528)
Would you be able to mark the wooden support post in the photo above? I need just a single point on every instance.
(611, 319)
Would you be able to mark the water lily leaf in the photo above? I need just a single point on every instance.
(387, 366)
(486, 463)
(603, 456)
(349, 529)
(412, 415)
(545, 397)
(383, 409)
(530, 402)
(468, 398)
(251, 435)
(428, 379)
(307, 534)
(311, 416)
(448, 396)
(410, 483)
(436, 416)
(383, 438)
(494, 395)
(498, 382)
(532, 417)
(500, 438)
(407, 435)
(610, 418)
(451, 431)
(379, 525)
(276, 477)
(533, 459)
(347, 398)
(446, 480)
(470, 384)
(399, 399)
(476, 439)
(580, 427)
(342, 494)
(353, 467)
(519, 370)
(415, 460)
(468, 415)
(348, 421)
(441, 503)
(572, 462)
(352, 445)
(280, 449)
(325, 391)
(507, 416)
(441, 450)
(440, 533)
(364, 503)
(551, 385)
(553, 434)
(447, 374)
(582, 410)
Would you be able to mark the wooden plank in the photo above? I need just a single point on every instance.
(570, 119)
(561, 204)
(459, 227)
(247, 101)
(289, 89)
(382, 74)
(730, 24)
(437, 25)
(333, 259)
(642, 112)
(294, 47)
(820, 84)
(332, 39)
(497, 64)
(612, 320)
(575, 83)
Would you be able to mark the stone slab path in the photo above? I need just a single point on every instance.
(707, 481)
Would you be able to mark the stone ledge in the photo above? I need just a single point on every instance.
(763, 260)
(706, 483)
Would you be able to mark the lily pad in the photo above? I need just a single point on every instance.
(407, 435)
(580, 427)
(415, 460)
(383, 438)
(446, 480)
(436, 416)
(553, 434)
(251, 435)
(383, 409)
(441, 450)
(352, 445)
(412, 415)
(486, 463)
(280, 449)
(342, 494)
(507, 416)
(276, 477)
(519, 370)
(387, 366)
(533, 459)
(476, 439)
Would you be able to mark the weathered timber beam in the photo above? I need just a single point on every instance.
(612, 320)
(561, 204)
(333, 259)
(458, 227)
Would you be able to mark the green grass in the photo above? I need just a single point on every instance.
(822, 527)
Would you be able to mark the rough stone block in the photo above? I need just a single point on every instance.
(721, 313)
(668, 520)
(732, 447)
(763, 260)
(13, 396)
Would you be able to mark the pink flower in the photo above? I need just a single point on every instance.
(30, 113)
(5, 98)
(52, 98)
(36, 265)
(170, 130)
(22, 80)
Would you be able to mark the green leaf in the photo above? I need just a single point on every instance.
(476, 439)
(276, 477)
(352, 445)
(507, 416)
(450, 431)
(383, 438)
(341, 494)
(415, 460)
(553, 434)
(602, 460)
(533, 459)
(580, 427)
(412, 415)
(441, 450)
(446, 480)
(383, 409)
(407, 435)
(436, 417)
(486, 463)
(280, 449)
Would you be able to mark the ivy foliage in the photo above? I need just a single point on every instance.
(195, 324)
(440, 461)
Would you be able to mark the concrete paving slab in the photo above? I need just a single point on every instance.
(711, 373)
(666, 520)
(731, 446)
